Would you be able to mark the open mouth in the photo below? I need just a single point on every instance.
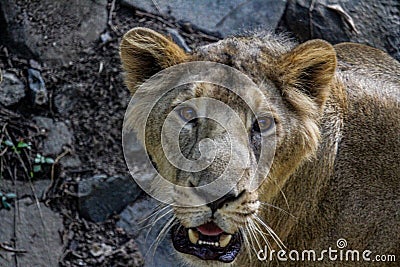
(207, 242)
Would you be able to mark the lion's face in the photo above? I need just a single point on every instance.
(294, 83)
(212, 231)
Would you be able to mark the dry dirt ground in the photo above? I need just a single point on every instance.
(94, 104)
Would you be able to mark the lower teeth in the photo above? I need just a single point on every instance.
(216, 244)
(194, 239)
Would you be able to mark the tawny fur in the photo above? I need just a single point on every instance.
(337, 164)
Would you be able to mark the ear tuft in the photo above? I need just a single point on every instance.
(309, 68)
(145, 52)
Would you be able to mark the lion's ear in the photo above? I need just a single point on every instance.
(308, 69)
(145, 52)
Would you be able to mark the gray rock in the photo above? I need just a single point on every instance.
(225, 17)
(375, 23)
(37, 87)
(66, 97)
(35, 65)
(136, 221)
(37, 231)
(74, 24)
(12, 90)
(58, 135)
(71, 161)
(101, 196)
(105, 37)
(23, 189)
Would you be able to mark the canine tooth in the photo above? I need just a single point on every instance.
(200, 242)
(216, 244)
(224, 240)
(193, 236)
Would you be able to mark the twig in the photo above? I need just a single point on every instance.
(1, 140)
(208, 37)
(110, 17)
(4, 151)
(8, 57)
(34, 194)
(145, 14)
(19, 156)
(58, 158)
(157, 6)
(16, 215)
(66, 191)
(345, 16)
(11, 249)
(310, 10)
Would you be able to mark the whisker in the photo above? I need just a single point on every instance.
(154, 245)
(251, 238)
(155, 221)
(251, 223)
(271, 232)
(278, 208)
(155, 211)
(254, 236)
(160, 217)
(165, 230)
(246, 240)
(283, 194)
(263, 235)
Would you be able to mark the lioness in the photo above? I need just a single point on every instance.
(336, 170)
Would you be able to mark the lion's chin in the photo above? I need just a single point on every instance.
(207, 242)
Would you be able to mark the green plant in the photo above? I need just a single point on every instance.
(39, 160)
(20, 145)
(5, 200)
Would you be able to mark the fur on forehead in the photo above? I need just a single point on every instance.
(222, 94)
(251, 44)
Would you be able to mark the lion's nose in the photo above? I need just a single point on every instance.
(219, 203)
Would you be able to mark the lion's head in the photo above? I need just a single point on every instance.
(295, 84)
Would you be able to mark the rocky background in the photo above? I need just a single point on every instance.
(65, 195)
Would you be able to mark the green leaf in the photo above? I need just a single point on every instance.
(11, 195)
(37, 168)
(8, 143)
(4, 202)
(22, 144)
(49, 161)
(6, 205)
(37, 160)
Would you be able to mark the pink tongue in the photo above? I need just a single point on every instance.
(210, 229)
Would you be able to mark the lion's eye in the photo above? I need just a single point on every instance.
(263, 124)
(187, 113)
